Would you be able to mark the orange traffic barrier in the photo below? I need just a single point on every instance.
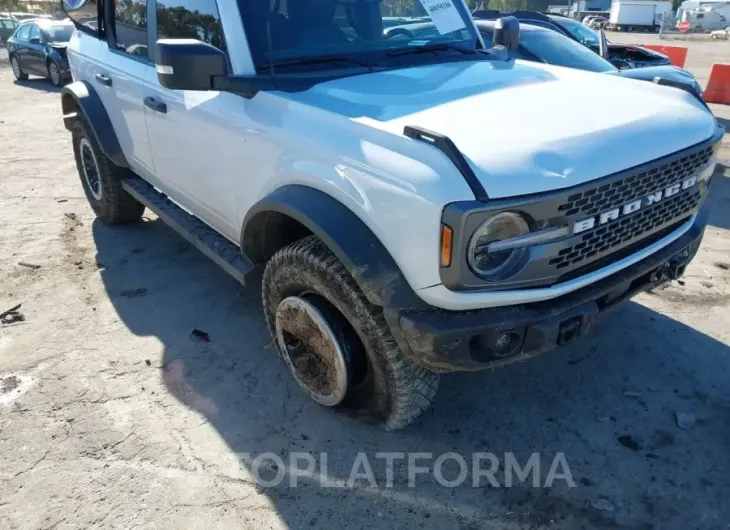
(718, 86)
(676, 54)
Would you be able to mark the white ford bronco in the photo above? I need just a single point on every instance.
(419, 205)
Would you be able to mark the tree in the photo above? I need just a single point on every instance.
(8, 6)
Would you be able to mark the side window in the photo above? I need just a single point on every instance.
(35, 33)
(23, 32)
(130, 26)
(190, 19)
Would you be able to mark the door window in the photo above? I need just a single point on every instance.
(23, 32)
(130, 27)
(35, 33)
(190, 19)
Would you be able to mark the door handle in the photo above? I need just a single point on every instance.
(104, 80)
(155, 105)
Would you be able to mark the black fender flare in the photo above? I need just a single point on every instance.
(80, 97)
(347, 236)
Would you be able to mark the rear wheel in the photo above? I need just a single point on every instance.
(102, 180)
(17, 71)
(335, 343)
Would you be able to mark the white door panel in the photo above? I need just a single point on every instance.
(118, 78)
(82, 52)
(189, 142)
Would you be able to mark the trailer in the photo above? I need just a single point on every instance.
(706, 17)
(638, 15)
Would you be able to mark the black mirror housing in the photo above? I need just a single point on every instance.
(507, 33)
(188, 64)
(35, 40)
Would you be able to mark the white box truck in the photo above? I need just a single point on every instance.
(633, 15)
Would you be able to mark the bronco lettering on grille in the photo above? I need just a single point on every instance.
(633, 206)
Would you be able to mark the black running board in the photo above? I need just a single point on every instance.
(195, 231)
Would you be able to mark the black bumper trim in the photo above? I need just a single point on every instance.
(456, 340)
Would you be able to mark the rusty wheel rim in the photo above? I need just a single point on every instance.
(311, 350)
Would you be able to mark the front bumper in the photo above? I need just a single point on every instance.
(65, 69)
(474, 340)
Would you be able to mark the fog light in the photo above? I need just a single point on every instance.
(506, 344)
(501, 344)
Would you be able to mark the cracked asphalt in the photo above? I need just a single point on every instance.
(110, 416)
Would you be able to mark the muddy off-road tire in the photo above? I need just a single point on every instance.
(305, 281)
(102, 180)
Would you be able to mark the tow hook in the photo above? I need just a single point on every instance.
(671, 270)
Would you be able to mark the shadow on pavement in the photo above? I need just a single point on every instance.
(607, 403)
(39, 83)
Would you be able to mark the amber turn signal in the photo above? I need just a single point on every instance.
(446, 239)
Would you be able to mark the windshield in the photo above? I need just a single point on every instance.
(60, 33)
(554, 48)
(583, 34)
(290, 30)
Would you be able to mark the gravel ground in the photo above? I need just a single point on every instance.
(110, 416)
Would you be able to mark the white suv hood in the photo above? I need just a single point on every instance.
(524, 127)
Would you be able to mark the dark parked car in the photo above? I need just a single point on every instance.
(622, 56)
(547, 46)
(38, 47)
(7, 28)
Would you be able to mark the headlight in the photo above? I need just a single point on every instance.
(500, 265)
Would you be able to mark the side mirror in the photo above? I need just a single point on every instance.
(35, 40)
(84, 14)
(603, 44)
(507, 33)
(188, 64)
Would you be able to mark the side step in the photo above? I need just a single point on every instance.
(199, 234)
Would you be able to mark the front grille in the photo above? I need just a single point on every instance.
(623, 231)
(609, 239)
(620, 254)
(620, 192)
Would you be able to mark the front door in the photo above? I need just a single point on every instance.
(118, 78)
(191, 131)
(34, 63)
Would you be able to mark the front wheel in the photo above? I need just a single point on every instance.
(102, 180)
(17, 71)
(335, 343)
(54, 74)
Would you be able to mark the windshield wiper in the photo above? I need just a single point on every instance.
(316, 60)
(432, 48)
